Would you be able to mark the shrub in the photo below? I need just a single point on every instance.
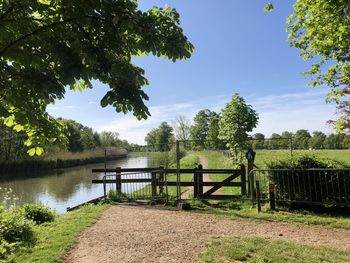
(14, 227)
(38, 213)
(7, 248)
(300, 183)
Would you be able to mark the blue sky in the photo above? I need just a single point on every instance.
(238, 48)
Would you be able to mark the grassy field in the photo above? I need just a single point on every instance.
(260, 250)
(219, 160)
(55, 238)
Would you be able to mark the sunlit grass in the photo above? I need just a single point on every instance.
(260, 250)
(55, 238)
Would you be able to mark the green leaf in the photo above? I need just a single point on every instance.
(268, 8)
(31, 152)
(18, 128)
(39, 151)
(9, 121)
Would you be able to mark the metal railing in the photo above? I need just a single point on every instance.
(312, 186)
(136, 185)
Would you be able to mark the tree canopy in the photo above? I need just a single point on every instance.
(321, 30)
(49, 45)
(237, 119)
(160, 138)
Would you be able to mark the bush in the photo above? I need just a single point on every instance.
(7, 248)
(38, 213)
(14, 227)
(300, 183)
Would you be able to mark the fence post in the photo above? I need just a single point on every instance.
(200, 181)
(195, 182)
(154, 184)
(104, 187)
(118, 181)
(243, 181)
(251, 185)
(249, 169)
(258, 195)
(272, 196)
(161, 180)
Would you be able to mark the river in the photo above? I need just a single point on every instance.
(64, 188)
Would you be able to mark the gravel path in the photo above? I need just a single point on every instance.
(204, 162)
(147, 234)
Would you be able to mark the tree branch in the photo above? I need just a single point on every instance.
(3, 51)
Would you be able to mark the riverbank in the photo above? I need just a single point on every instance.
(29, 166)
(54, 239)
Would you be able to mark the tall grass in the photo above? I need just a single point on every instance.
(60, 160)
(98, 152)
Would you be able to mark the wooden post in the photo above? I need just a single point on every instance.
(161, 180)
(196, 185)
(200, 181)
(250, 178)
(258, 195)
(243, 181)
(154, 184)
(118, 181)
(272, 197)
(104, 188)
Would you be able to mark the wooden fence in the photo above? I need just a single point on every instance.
(156, 177)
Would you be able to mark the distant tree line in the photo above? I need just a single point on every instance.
(302, 140)
(204, 133)
(80, 138)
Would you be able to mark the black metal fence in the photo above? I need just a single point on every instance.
(329, 187)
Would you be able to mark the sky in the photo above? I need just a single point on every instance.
(239, 48)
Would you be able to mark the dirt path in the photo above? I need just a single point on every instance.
(145, 234)
(204, 162)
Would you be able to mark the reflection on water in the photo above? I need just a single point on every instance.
(67, 187)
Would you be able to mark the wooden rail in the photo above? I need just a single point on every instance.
(159, 181)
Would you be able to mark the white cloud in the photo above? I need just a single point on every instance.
(292, 111)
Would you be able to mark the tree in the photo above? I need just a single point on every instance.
(258, 142)
(182, 126)
(237, 119)
(212, 140)
(159, 138)
(301, 139)
(200, 127)
(46, 46)
(163, 136)
(321, 30)
(334, 141)
(285, 142)
(151, 137)
(275, 142)
(109, 139)
(317, 140)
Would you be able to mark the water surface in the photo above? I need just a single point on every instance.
(66, 187)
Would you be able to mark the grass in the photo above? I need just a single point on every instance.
(188, 162)
(88, 154)
(55, 238)
(243, 209)
(219, 160)
(264, 156)
(260, 250)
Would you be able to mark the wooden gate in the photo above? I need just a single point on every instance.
(157, 181)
